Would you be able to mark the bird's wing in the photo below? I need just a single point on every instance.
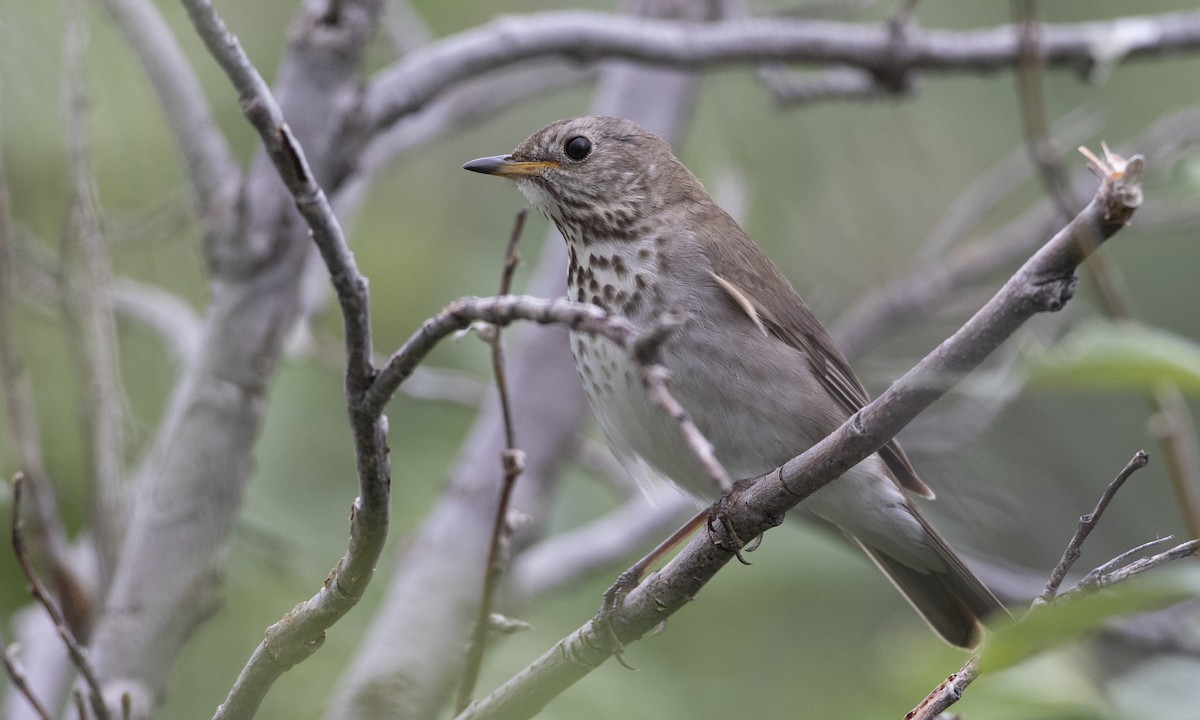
(773, 304)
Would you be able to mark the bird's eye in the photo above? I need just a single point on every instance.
(578, 147)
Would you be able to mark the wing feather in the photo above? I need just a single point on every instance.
(774, 306)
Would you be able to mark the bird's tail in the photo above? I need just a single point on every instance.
(950, 598)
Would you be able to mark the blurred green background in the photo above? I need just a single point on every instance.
(840, 194)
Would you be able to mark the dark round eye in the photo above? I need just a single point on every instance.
(578, 147)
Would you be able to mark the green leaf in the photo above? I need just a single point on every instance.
(1054, 625)
(1128, 356)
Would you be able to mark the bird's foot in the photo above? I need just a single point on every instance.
(614, 599)
(718, 514)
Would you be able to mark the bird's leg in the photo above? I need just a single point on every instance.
(717, 514)
(614, 597)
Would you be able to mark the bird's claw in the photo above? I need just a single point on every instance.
(718, 514)
(614, 599)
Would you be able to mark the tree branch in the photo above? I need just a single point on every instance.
(1087, 523)
(413, 651)
(1114, 571)
(914, 294)
(413, 81)
(1043, 284)
(212, 169)
(91, 327)
(76, 651)
(16, 676)
(512, 461)
(191, 482)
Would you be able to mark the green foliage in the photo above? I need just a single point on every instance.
(1054, 625)
(1100, 355)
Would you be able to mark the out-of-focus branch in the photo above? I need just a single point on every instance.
(423, 74)
(1176, 437)
(512, 461)
(602, 546)
(299, 634)
(78, 656)
(212, 169)
(91, 328)
(413, 651)
(1043, 284)
(191, 482)
(163, 312)
(890, 309)
(1117, 570)
(16, 676)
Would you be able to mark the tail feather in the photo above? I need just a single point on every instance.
(951, 599)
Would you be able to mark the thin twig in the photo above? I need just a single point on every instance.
(78, 655)
(1031, 97)
(1096, 581)
(1176, 440)
(513, 463)
(17, 676)
(1109, 573)
(212, 169)
(91, 327)
(48, 533)
(1176, 433)
(947, 693)
(1087, 523)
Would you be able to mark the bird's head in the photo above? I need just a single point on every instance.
(593, 176)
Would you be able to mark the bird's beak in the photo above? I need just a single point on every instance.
(505, 166)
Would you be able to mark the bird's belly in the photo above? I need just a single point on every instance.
(635, 428)
(755, 421)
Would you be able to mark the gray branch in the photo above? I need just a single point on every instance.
(413, 651)
(422, 75)
(212, 169)
(190, 484)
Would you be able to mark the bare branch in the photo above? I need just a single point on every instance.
(946, 694)
(212, 168)
(413, 81)
(512, 461)
(423, 602)
(1043, 284)
(16, 675)
(163, 312)
(191, 482)
(501, 311)
(1176, 440)
(92, 329)
(1087, 523)
(1116, 570)
(299, 634)
(78, 655)
(913, 295)
(602, 546)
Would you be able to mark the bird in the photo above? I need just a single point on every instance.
(759, 375)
